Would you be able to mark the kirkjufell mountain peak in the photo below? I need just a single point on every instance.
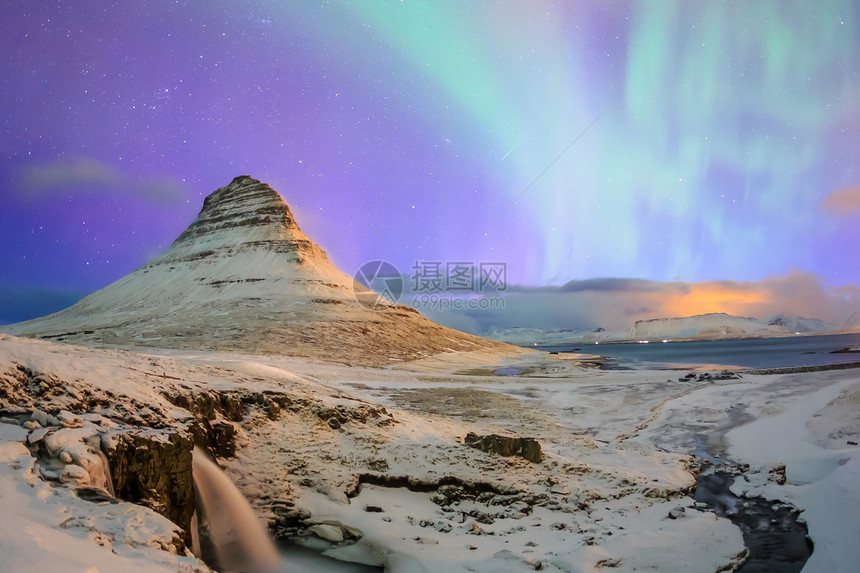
(244, 277)
(248, 211)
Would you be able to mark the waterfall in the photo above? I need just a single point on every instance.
(226, 521)
(105, 470)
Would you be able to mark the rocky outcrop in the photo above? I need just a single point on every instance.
(847, 350)
(148, 449)
(154, 469)
(527, 448)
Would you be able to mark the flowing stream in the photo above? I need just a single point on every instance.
(777, 540)
(775, 535)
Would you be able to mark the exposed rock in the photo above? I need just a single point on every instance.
(154, 469)
(218, 438)
(676, 512)
(69, 420)
(481, 517)
(37, 435)
(527, 448)
(776, 474)
(40, 416)
(559, 490)
(443, 527)
(475, 529)
(444, 484)
(847, 350)
(95, 495)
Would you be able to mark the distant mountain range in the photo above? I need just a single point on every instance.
(713, 326)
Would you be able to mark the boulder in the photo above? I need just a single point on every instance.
(527, 448)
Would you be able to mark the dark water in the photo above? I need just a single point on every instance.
(777, 540)
(749, 353)
(300, 559)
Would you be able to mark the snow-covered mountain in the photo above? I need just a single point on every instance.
(711, 326)
(852, 323)
(243, 276)
(704, 326)
(800, 324)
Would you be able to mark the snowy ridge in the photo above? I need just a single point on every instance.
(244, 276)
(712, 326)
(536, 336)
(796, 324)
(852, 323)
(709, 326)
(715, 326)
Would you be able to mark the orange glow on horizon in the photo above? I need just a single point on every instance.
(705, 298)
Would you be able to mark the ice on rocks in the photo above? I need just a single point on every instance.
(74, 473)
(327, 531)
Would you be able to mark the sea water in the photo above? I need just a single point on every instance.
(791, 351)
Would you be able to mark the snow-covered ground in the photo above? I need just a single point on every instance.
(46, 527)
(373, 461)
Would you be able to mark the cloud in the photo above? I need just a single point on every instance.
(80, 173)
(842, 202)
(615, 304)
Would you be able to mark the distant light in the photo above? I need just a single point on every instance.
(665, 341)
(596, 343)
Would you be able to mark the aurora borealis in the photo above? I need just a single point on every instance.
(725, 146)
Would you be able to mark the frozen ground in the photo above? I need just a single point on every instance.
(401, 482)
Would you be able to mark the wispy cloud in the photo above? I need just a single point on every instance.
(844, 201)
(80, 173)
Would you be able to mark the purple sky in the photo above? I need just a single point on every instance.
(726, 145)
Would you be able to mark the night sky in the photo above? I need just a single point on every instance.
(667, 141)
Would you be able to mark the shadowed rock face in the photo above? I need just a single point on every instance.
(155, 470)
(244, 277)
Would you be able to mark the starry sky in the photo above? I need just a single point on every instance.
(657, 140)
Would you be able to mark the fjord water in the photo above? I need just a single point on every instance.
(784, 352)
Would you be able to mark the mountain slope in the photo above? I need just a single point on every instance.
(852, 323)
(799, 324)
(243, 276)
(710, 326)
